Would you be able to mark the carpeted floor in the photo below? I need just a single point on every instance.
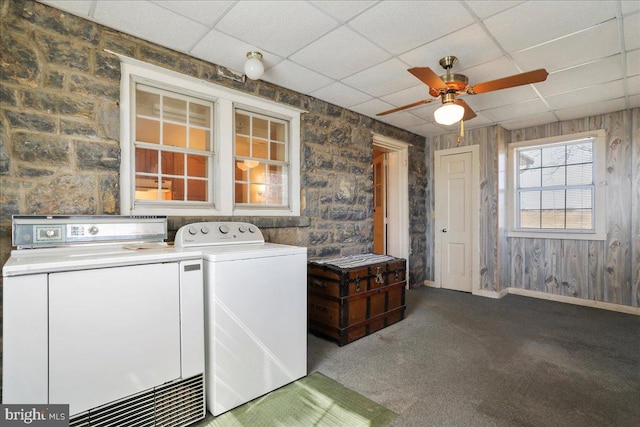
(463, 360)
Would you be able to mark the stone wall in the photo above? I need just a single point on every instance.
(59, 136)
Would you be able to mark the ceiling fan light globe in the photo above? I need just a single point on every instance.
(449, 114)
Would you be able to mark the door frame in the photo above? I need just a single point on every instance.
(475, 213)
(397, 177)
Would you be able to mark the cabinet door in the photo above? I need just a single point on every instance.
(113, 332)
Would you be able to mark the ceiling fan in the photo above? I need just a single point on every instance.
(449, 85)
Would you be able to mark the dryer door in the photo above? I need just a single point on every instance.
(113, 332)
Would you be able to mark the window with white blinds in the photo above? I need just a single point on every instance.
(557, 187)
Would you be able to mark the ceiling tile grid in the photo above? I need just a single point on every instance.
(355, 54)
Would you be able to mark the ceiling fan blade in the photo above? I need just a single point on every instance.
(511, 81)
(468, 112)
(405, 107)
(427, 76)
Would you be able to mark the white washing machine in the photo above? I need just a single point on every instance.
(255, 311)
(102, 315)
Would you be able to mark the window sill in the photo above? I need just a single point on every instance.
(559, 235)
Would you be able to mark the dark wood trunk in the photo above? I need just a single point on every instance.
(345, 304)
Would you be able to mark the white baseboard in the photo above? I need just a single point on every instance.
(431, 284)
(490, 294)
(577, 301)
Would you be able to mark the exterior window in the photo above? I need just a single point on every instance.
(173, 147)
(190, 147)
(556, 187)
(261, 160)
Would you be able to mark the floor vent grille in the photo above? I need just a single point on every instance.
(170, 405)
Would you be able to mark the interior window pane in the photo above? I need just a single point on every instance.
(174, 135)
(147, 188)
(243, 124)
(553, 209)
(147, 130)
(196, 166)
(199, 139)
(175, 187)
(174, 109)
(242, 193)
(553, 156)
(260, 149)
(199, 115)
(278, 132)
(146, 160)
(277, 152)
(197, 190)
(275, 195)
(276, 174)
(260, 128)
(530, 209)
(530, 178)
(257, 194)
(580, 153)
(553, 176)
(257, 174)
(581, 174)
(241, 171)
(579, 209)
(530, 159)
(147, 104)
(172, 163)
(242, 146)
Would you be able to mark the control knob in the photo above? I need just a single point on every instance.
(204, 230)
(224, 229)
(93, 230)
(192, 231)
(242, 229)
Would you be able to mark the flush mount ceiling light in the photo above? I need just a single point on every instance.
(253, 68)
(450, 112)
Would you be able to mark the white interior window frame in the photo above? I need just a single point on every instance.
(599, 170)
(225, 101)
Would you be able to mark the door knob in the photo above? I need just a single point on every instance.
(444, 230)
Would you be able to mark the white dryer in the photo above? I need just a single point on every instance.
(255, 311)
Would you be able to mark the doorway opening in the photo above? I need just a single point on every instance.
(391, 197)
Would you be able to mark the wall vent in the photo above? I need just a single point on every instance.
(172, 404)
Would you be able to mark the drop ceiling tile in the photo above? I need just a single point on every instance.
(204, 12)
(343, 10)
(534, 22)
(489, 100)
(78, 7)
(591, 109)
(229, 52)
(371, 108)
(583, 76)
(382, 79)
(595, 43)
(409, 95)
(403, 120)
(399, 26)
(535, 120)
(501, 67)
(471, 45)
(427, 129)
(488, 8)
(633, 85)
(281, 27)
(150, 22)
(634, 101)
(631, 31)
(514, 111)
(588, 95)
(292, 76)
(341, 94)
(630, 6)
(340, 53)
(633, 63)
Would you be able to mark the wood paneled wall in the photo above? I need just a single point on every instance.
(607, 271)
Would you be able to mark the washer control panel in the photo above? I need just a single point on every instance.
(217, 233)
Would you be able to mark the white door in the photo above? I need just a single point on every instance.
(456, 218)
